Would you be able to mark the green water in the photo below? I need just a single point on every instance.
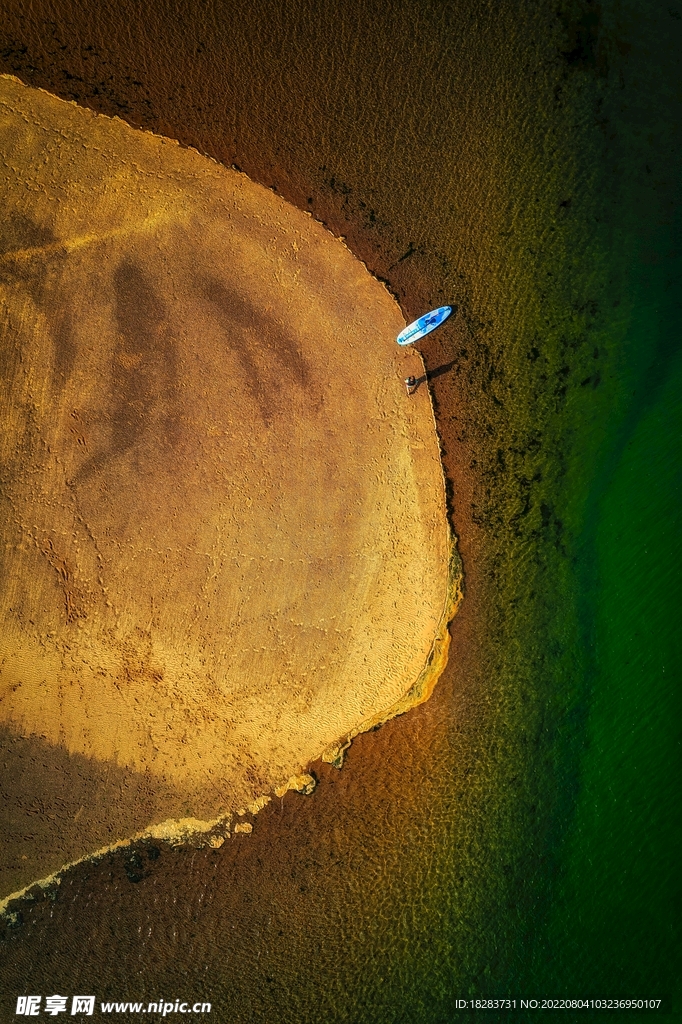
(619, 889)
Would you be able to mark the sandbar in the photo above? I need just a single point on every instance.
(225, 546)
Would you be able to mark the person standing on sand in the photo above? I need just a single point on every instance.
(411, 384)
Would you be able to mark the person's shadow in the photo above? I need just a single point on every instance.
(432, 374)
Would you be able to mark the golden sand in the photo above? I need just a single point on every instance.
(224, 540)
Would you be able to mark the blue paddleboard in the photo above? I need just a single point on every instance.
(424, 325)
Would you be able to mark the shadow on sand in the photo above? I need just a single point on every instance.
(432, 374)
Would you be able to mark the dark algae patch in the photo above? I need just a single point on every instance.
(516, 834)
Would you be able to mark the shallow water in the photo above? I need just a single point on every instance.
(515, 834)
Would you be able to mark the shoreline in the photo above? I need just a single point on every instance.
(200, 834)
(135, 619)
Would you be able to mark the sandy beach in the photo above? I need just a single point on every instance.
(225, 537)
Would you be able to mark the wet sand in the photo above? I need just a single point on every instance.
(226, 547)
